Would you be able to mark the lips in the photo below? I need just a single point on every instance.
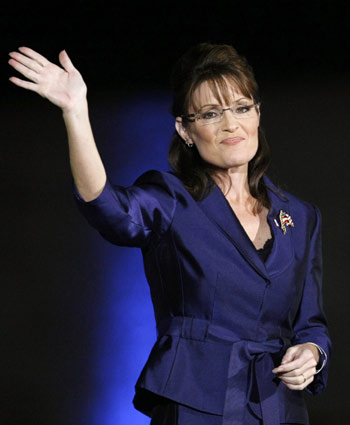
(232, 140)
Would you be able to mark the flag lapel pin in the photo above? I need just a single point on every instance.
(285, 220)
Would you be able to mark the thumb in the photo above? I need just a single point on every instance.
(65, 61)
(288, 356)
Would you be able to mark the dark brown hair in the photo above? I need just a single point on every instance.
(214, 63)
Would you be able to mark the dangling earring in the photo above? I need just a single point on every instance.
(189, 144)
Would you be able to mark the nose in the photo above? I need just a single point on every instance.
(229, 122)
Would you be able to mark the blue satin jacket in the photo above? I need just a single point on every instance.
(224, 318)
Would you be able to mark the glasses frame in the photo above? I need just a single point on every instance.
(197, 114)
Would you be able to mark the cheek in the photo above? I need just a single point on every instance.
(253, 133)
(204, 137)
(253, 128)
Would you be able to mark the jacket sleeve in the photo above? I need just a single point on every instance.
(311, 323)
(135, 215)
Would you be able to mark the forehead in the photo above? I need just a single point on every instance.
(224, 92)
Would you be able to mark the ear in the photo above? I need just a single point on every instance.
(258, 110)
(182, 130)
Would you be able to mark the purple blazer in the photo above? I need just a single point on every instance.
(224, 318)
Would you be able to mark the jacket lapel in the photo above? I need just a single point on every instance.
(219, 211)
(282, 252)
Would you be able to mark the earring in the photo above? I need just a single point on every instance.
(189, 144)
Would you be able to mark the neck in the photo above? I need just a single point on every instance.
(234, 184)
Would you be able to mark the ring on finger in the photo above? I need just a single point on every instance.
(303, 377)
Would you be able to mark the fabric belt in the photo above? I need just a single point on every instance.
(249, 358)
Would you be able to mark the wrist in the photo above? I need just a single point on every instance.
(322, 357)
(77, 110)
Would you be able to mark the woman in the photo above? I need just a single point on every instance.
(233, 263)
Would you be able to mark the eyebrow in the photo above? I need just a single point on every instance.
(217, 104)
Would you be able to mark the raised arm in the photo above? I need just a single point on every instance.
(65, 88)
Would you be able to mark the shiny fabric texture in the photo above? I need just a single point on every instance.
(224, 317)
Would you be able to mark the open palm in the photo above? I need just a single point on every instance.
(63, 87)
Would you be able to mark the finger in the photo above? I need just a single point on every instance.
(297, 379)
(25, 84)
(295, 364)
(24, 60)
(307, 366)
(31, 75)
(65, 61)
(34, 55)
(300, 364)
(300, 387)
(298, 361)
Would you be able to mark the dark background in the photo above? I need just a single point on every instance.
(52, 273)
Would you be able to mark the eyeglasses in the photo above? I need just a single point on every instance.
(212, 114)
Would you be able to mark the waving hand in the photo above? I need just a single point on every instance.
(63, 87)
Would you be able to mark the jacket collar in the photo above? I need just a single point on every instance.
(219, 211)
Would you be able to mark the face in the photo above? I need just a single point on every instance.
(228, 144)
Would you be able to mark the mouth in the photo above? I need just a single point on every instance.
(232, 140)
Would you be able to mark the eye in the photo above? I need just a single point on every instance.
(209, 115)
(243, 109)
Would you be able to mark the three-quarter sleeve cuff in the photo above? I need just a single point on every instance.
(107, 187)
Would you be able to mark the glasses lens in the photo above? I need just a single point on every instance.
(209, 116)
(244, 110)
(241, 110)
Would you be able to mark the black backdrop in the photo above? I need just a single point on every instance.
(299, 51)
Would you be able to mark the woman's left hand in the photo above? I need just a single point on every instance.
(298, 366)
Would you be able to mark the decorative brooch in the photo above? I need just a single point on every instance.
(285, 220)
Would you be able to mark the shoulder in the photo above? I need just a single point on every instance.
(158, 177)
(165, 182)
(300, 206)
